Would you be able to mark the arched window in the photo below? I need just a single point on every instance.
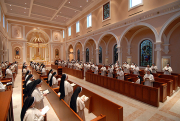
(146, 53)
(87, 55)
(100, 54)
(78, 55)
(115, 53)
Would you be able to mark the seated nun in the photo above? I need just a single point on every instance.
(66, 90)
(43, 70)
(32, 89)
(9, 74)
(77, 103)
(120, 74)
(2, 87)
(27, 74)
(29, 112)
(53, 81)
(154, 68)
(167, 69)
(50, 74)
(28, 80)
(103, 71)
(139, 80)
(149, 79)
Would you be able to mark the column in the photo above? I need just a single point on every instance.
(30, 53)
(83, 56)
(45, 54)
(67, 56)
(24, 37)
(74, 54)
(158, 58)
(97, 56)
(24, 52)
(119, 55)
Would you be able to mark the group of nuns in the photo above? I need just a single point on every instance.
(33, 99)
(66, 93)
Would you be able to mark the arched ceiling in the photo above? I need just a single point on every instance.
(37, 36)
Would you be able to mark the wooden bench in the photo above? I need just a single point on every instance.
(161, 85)
(6, 106)
(58, 68)
(178, 75)
(140, 92)
(73, 72)
(114, 113)
(5, 81)
(169, 85)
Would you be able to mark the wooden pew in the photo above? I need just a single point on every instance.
(6, 106)
(5, 81)
(174, 78)
(114, 113)
(161, 85)
(58, 68)
(178, 75)
(73, 72)
(169, 85)
(143, 93)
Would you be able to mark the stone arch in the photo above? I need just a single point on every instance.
(106, 33)
(135, 25)
(86, 41)
(167, 24)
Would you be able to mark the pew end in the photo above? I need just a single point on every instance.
(100, 118)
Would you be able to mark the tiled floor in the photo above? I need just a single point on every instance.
(133, 110)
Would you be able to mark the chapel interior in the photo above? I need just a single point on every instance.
(101, 32)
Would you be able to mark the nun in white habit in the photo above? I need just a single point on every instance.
(167, 70)
(2, 87)
(53, 81)
(9, 74)
(120, 74)
(149, 79)
(43, 70)
(65, 89)
(32, 90)
(77, 104)
(29, 113)
(50, 74)
(103, 71)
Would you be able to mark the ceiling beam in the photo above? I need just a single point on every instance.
(30, 9)
(44, 6)
(16, 5)
(73, 8)
(40, 15)
(64, 16)
(59, 9)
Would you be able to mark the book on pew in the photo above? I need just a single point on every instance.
(59, 79)
(84, 97)
(45, 110)
(9, 83)
(73, 84)
(46, 91)
(59, 93)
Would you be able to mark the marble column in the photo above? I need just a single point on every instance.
(119, 55)
(74, 55)
(30, 53)
(97, 56)
(158, 57)
(83, 55)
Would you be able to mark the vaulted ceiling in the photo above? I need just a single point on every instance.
(53, 11)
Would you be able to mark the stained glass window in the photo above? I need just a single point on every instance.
(106, 11)
(115, 53)
(146, 53)
(87, 55)
(100, 54)
(78, 55)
